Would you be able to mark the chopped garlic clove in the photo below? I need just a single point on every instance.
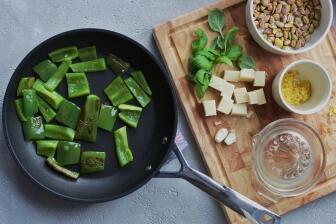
(221, 135)
(231, 138)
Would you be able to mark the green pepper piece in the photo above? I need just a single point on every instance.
(130, 114)
(92, 162)
(25, 83)
(64, 54)
(68, 173)
(139, 77)
(96, 65)
(117, 65)
(46, 148)
(68, 153)
(19, 109)
(78, 84)
(30, 107)
(51, 97)
(107, 117)
(58, 76)
(87, 53)
(129, 107)
(130, 117)
(124, 153)
(88, 121)
(137, 92)
(47, 112)
(68, 114)
(33, 128)
(59, 132)
(117, 92)
(45, 69)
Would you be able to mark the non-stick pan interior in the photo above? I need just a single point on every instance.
(158, 121)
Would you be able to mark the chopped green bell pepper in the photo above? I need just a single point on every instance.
(124, 153)
(33, 128)
(137, 92)
(117, 92)
(19, 109)
(139, 77)
(87, 53)
(58, 76)
(68, 114)
(59, 132)
(46, 148)
(130, 117)
(130, 114)
(30, 107)
(25, 83)
(78, 84)
(68, 153)
(47, 112)
(117, 65)
(45, 69)
(68, 173)
(129, 107)
(88, 121)
(92, 162)
(64, 54)
(96, 65)
(107, 117)
(51, 97)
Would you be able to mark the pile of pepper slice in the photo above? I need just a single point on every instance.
(53, 121)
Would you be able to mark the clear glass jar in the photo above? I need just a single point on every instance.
(288, 158)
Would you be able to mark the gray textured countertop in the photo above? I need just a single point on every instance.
(24, 24)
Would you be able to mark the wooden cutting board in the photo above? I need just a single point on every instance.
(231, 165)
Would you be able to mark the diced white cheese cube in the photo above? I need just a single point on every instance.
(261, 96)
(227, 89)
(252, 97)
(217, 83)
(221, 135)
(259, 78)
(209, 107)
(231, 138)
(232, 76)
(246, 75)
(225, 105)
(239, 109)
(240, 95)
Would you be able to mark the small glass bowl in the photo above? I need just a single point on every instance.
(297, 174)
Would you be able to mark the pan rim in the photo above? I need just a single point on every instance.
(145, 180)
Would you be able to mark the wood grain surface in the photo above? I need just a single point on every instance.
(231, 165)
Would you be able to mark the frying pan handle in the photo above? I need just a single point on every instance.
(234, 200)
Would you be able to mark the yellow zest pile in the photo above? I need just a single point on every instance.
(294, 90)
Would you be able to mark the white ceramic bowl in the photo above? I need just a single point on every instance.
(320, 82)
(317, 36)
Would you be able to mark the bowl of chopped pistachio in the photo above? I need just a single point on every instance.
(288, 26)
(302, 87)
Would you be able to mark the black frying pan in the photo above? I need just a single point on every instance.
(158, 121)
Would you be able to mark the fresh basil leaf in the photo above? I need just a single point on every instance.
(216, 20)
(221, 42)
(235, 52)
(201, 62)
(208, 53)
(213, 44)
(200, 42)
(224, 59)
(191, 67)
(247, 61)
(202, 82)
(229, 37)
